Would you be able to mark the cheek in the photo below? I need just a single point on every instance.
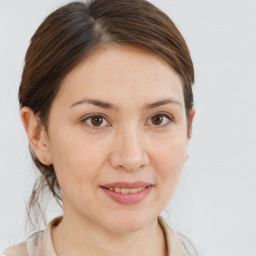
(77, 169)
(75, 160)
(170, 150)
(168, 161)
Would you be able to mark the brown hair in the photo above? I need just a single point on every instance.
(71, 33)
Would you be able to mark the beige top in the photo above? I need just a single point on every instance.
(40, 243)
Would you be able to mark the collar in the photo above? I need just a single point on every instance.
(174, 244)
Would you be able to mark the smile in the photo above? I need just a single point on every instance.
(126, 190)
(127, 193)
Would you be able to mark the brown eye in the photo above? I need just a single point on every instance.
(97, 120)
(160, 120)
(157, 119)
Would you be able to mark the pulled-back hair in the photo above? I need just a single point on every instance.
(73, 32)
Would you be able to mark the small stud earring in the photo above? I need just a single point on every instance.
(44, 158)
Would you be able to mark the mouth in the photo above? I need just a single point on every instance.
(127, 193)
(126, 190)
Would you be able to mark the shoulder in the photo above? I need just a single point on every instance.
(16, 250)
(32, 246)
(36, 244)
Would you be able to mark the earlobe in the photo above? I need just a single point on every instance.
(36, 134)
(185, 157)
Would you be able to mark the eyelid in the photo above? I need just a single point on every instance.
(87, 117)
(164, 114)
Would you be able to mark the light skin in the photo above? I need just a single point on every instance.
(118, 117)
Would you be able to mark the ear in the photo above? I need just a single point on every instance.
(37, 135)
(189, 133)
(190, 125)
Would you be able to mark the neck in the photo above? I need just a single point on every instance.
(75, 237)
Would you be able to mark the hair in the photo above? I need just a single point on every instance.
(73, 32)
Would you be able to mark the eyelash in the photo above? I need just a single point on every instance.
(85, 120)
(168, 118)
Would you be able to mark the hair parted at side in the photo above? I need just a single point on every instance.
(73, 32)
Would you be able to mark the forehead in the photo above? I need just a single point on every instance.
(120, 73)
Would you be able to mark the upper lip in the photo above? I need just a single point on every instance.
(121, 184)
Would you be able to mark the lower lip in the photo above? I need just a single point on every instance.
(131, 198)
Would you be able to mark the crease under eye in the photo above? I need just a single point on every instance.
(160, 120)
(95, 121)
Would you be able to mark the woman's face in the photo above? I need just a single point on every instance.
(117, 138)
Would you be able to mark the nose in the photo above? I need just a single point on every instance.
(129, 152)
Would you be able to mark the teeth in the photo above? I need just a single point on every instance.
(133, 190)
(118, 190)
(126, 190)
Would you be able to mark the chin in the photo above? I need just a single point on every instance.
(126, 223)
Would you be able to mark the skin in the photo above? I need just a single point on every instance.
(129, 145)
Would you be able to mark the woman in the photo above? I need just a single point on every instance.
(107, 105)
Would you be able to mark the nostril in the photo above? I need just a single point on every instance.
(129, 155)
(131, 168)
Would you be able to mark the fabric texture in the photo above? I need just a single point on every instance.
(40, 243)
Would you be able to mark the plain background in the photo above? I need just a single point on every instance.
(215, 205)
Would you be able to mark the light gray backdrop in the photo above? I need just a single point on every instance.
(215, 205)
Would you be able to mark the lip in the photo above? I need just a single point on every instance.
(131, 198)
(135, 184)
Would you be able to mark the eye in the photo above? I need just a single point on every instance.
(96, 121)
(160, 120)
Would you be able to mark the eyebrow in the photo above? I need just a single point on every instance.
(97, 103)
(162, 102)
(111, 106)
